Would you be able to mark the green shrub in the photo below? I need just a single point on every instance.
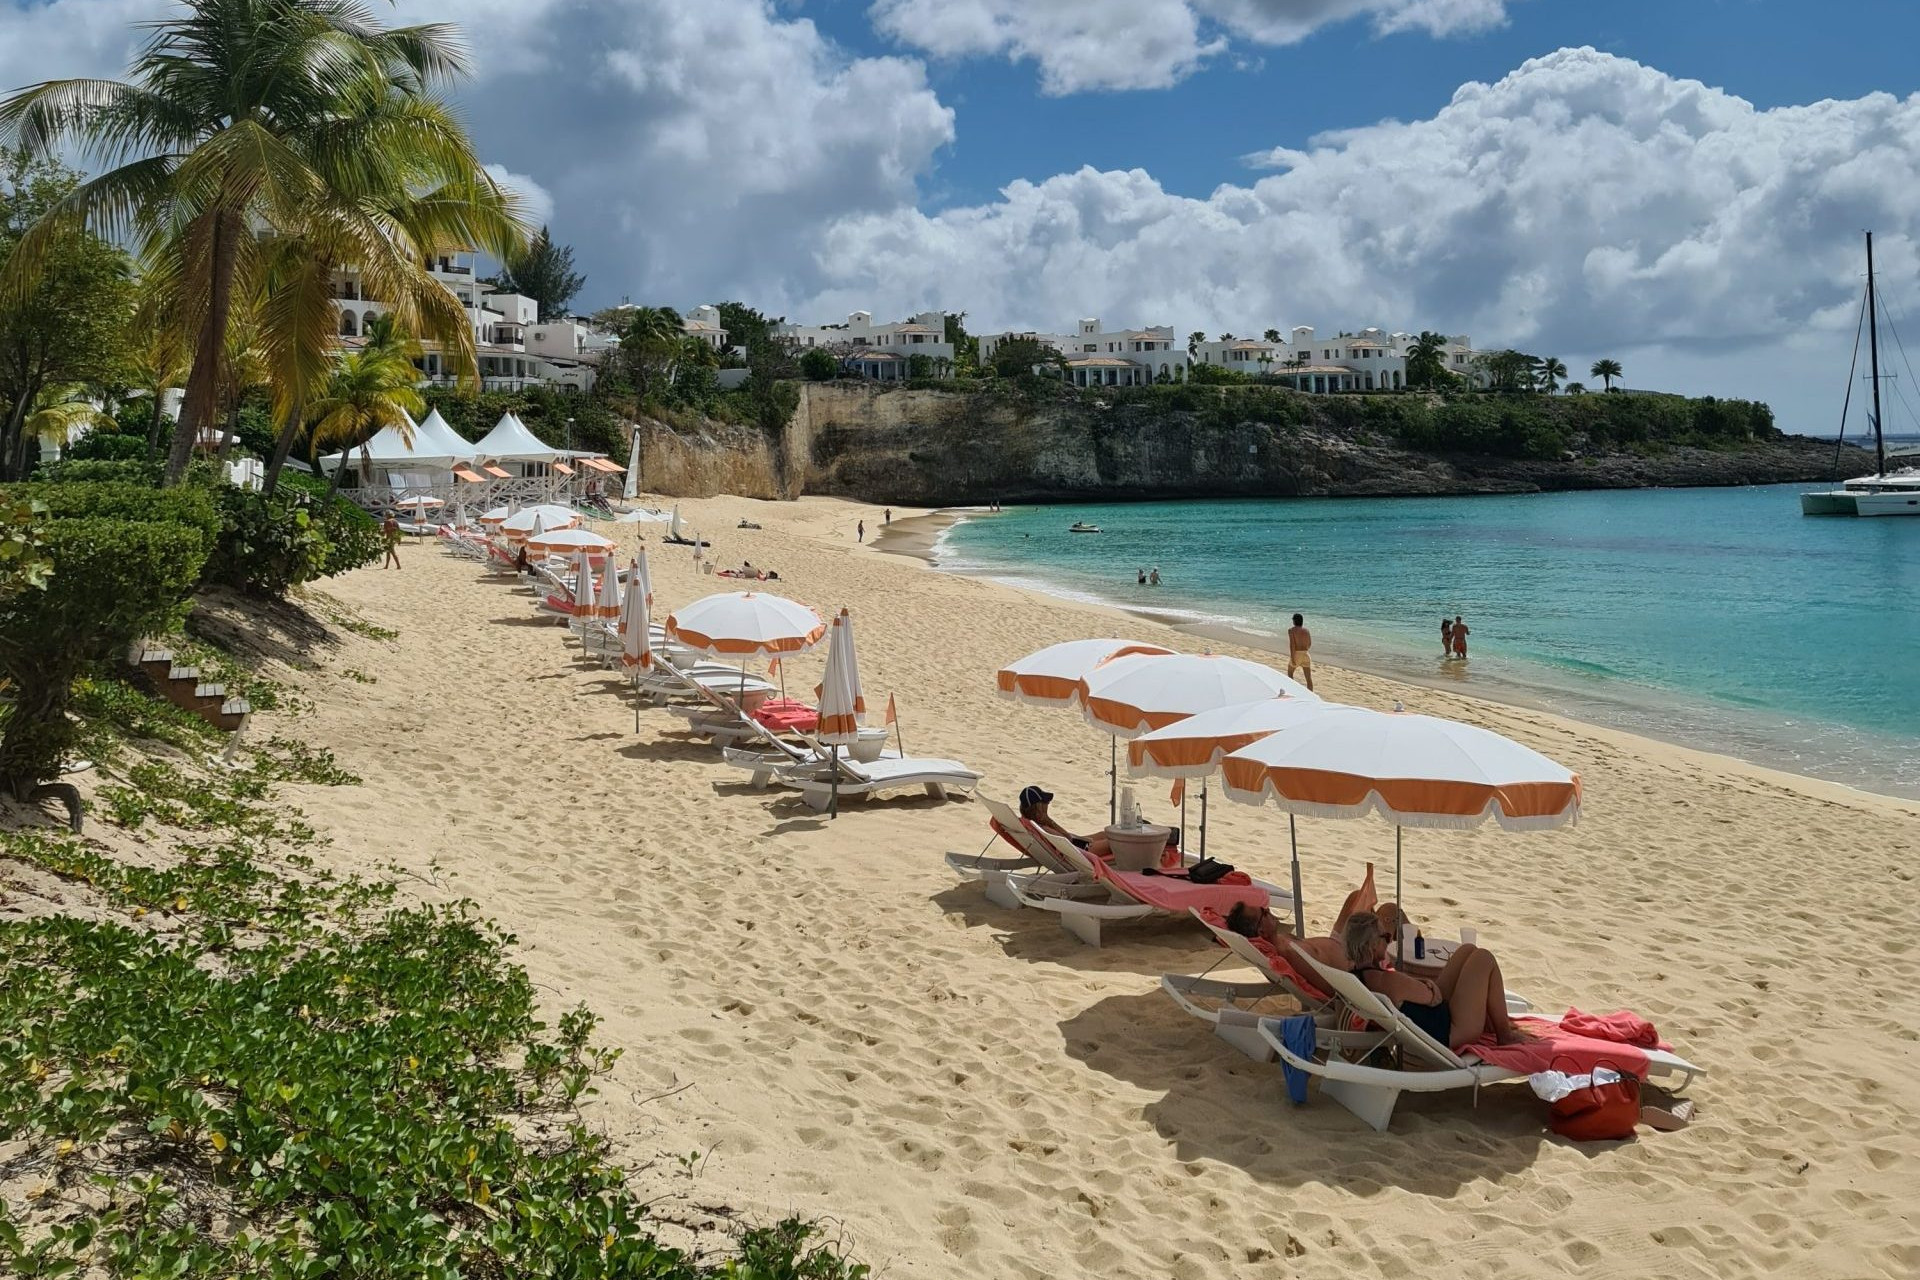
(267, 545)
(106, 446)
(135, 470)
(818, 365)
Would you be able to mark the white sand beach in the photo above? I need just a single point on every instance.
(842, 1030)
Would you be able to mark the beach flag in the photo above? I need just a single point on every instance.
(1179, 793)
(893, 712)
(773, 668)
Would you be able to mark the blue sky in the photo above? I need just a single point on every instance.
(1192, 136)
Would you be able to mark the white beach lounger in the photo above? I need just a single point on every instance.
(1372, 1092)
(940, 778)
(1036, 860)
(1129, 896)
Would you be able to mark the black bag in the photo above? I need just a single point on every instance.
(1208, 870)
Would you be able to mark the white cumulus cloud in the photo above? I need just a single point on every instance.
(1147, 44)
(1585, 203)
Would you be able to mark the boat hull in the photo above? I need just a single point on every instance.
(1887, 504)
(1834, 503)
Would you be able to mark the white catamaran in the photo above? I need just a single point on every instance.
(1884, 493)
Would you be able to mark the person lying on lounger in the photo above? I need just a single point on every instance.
(1467, 1000)
(1033, 807)
(1259, 922)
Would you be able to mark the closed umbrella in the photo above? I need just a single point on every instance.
(1412, 770)
(1137, 693)
(607, 607)
(636, 626)
(1051, 677)
(583, 601)
(1194, 747)
(841, 703)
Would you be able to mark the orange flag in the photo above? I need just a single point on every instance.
(892, 711)
(1179, 793)
(773, 668)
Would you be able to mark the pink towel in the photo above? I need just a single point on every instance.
(1621, 1026)
(1554, 1047)
(1172, 893)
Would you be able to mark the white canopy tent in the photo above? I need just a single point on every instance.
(510, 441)
(433, 435)
(389, 450)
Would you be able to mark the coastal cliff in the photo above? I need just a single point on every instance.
(1022, 443)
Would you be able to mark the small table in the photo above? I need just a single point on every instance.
(1439, 951)
(1137, 848)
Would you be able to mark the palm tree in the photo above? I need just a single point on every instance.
(371, 389)
(243, 367)
(1606, 371)
(1194, 340)
(1226, 337)
(1273, 336)
(1426, 359)
(245, 119)
(652, 340)
(157, 362)
(1576, 388)
(1547, 372)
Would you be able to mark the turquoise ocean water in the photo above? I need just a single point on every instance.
(1716, 618)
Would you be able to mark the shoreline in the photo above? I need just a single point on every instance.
(921, 541)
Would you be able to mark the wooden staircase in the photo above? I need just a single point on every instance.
(181, 685)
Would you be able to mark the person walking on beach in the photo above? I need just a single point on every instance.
(1446, 637)
(860, 531)
(390, 531)
(1300, 651)
(889, 515)
(1460, 631)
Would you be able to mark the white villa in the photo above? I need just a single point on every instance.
(704, 323)
(1370, 360)
(880, 351)
(514, 348)
(1098, 358)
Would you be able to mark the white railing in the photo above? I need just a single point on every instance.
(525, 490)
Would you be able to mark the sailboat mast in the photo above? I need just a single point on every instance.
(1873, 356)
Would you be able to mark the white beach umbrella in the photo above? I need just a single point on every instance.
(549, 516)
(1195, 746)
(1051, 677)
(1137, 693)
(746, 624)
(607, 607)
(841, 703)
(636, 626)
(497, 516)
(1412, 770)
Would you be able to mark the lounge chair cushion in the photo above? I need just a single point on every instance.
(1171, 893)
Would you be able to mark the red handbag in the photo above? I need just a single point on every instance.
(1600, 1112)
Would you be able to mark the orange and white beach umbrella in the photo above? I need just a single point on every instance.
(1412, 770)
(1140, 692)
(841, 703)
(1194, 747)
(547, 517)
(746, 624)
(568, 541)
(606, 606)
(1051, 677)
(583, 601)
(636, 622)
(498, 516)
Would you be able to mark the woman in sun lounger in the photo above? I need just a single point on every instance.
(1467, 1000)
(1033, 808)
(1259, 922)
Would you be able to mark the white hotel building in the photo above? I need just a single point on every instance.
(1098, 358)
(515, 349)
(883, 352)
(1370, 360)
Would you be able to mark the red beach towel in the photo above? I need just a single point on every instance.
(1554, 1046)
(1622, 1026)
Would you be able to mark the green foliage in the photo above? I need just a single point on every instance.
(124, 559)
(267, 545)
(65, 324)
(1213, 375)
(111, 710)
(745, 327)
(545, 410)
(1017, 356)
(106, 446)
(544, 273)
(351, 535)
(818, 365)
(135, 471)
(24, 562)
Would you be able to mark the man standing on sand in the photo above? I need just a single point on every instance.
(889, 515)
(390, 531)
(860, 531)
(1300, 651)
(1459, 638)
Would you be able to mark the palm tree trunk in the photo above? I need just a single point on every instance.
(198, 407)
(283, 447)
(15, 428)
(233, 427)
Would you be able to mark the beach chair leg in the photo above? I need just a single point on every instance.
(1373, 1103)
(816, 800)
(1242, 1031)
(1085, 928)
(999, 892)
(935, 790)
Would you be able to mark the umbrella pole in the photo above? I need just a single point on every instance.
(1299, 907)
(1401, 938)
(1113, 782)
(1183, 820)
(1203, 818)
(833, 768)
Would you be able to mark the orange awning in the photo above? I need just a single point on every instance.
(496, 473)
(463, 474)
(563, 468)
(602, 464)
